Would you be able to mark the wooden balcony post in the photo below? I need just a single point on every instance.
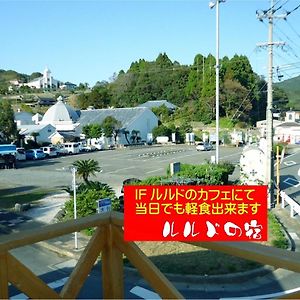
(3, 276)
(112, 268)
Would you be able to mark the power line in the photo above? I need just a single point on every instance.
(287, 37)
(289, 12)
(245, 98)
(294, 30)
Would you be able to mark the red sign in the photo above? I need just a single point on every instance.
(195, 213)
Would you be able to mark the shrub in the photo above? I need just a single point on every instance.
(214, 174)
(87, 195)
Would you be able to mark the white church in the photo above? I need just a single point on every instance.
(45, 82)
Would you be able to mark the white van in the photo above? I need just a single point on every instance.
(49, 151)
(71, 148)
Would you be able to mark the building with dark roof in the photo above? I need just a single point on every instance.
(158, 103)
(140, 119)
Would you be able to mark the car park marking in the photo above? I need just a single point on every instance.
(124, 169)
(156, 170)
(289, 163)
(144, 293)
(292, 182)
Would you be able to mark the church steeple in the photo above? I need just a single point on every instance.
(47, 79)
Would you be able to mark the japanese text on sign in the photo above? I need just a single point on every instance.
(195, 213)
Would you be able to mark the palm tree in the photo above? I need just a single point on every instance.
(35, 135)
(86, 168)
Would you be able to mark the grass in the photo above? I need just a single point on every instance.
(10, 196)
(276, 234)
(193, 260)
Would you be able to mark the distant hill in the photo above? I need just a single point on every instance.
(292, 88)
(6, 76)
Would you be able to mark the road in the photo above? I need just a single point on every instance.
(117, 165)
(290, 174)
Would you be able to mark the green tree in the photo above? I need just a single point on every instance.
(86, 130)
(126, 132)
(161, 130)
(35, 75)
(111, 127)
(162, 112)
(8, 127)
(35, 135)
(234, 101)
(86, 168)
(86, 200)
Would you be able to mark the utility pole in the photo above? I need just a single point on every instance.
(269, 14)
(216, 5)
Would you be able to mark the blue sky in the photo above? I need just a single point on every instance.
(87, 41)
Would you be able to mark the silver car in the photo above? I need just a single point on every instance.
(204, 146)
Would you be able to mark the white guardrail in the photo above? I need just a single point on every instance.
(294, 206)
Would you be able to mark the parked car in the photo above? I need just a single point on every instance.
(72, 148)
(83, 147)
(20, 154)
(204, 146)
(60, 150)
(49, 151)
(33, 154)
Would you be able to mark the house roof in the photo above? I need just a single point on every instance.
(158, 103)
(124, 115)
(60, 111)
(24, 117)
(289, 124)
(29, 129)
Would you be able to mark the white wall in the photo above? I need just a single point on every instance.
(144, 123)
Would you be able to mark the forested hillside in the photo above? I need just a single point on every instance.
(292, 89)
(191, 87)
(7, 76)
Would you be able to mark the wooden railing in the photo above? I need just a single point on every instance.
(294, 206)
(109, 242)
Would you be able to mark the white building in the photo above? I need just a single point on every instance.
(62, 116)
(42, 132)
(67, 122)
(139, 119)
(44, 82)
(284, 131)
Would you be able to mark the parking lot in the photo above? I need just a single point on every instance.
(117, 165)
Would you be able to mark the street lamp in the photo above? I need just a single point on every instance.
(74, 170)
(212, 5)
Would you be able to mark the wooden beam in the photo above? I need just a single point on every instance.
(147, 269)
(267, 255)
(112, 268)
(117, 218)
(28, 237)
(27, 282)
(84, 265)
(3, 276)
